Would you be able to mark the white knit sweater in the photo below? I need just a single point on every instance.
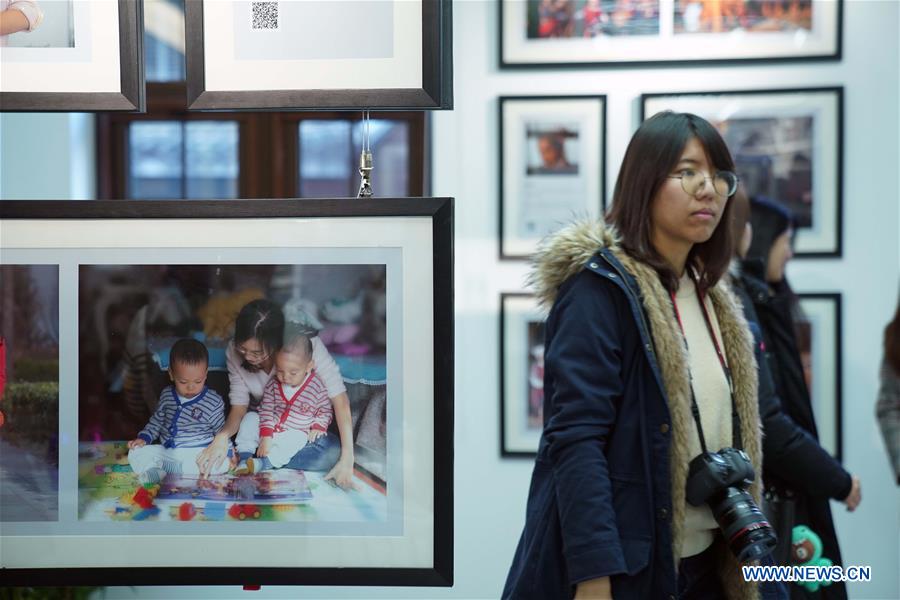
(713, 399)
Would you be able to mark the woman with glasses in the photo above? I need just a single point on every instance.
(250, 356)
(642, 330)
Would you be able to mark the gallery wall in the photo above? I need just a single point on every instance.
(490, 491)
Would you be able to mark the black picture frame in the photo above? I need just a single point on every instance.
(507, 62)
(436, 92)
(440, 213)
(824, 108)
(131, 97)
(827, 407)
(514, 443)
(511, 192)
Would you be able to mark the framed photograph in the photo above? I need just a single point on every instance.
(552, 166)
(72, 55)
(108, 298)
(602, 33)
(319, 54)
(521, 374)
(787, 145)
(819, 341)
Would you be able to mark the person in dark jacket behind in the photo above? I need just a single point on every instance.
(795, 465)
(888, 404)
(607, 514)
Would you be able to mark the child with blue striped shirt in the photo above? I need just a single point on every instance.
(187, 418)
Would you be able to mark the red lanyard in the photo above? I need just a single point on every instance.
(709, 328)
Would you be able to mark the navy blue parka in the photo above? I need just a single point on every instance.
(600, 501)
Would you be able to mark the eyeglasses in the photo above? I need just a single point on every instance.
(254, 354)
(692, 181)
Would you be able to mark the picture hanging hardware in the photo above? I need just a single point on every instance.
(365, 159)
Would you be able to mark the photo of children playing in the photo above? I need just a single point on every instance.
(29, 393)
(232, 392)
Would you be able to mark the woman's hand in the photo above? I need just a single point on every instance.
(594, 589)
(213, 455)
(342, 473)
(855, 496)
(314, 434)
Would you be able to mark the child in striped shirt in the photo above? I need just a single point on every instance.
(187, 418)
(295, 407)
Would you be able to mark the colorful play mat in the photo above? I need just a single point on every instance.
(108, 490)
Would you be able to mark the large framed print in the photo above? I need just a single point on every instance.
(819, 342)
(319, 54)
(73, 55)
(102, 292)
(787, 145)
(552, 166)
(521, 374)
(601, 33)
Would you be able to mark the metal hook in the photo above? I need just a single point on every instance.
(365, 159)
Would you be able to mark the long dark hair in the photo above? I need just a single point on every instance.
(892, 341)
(651, 155)
(261, 319)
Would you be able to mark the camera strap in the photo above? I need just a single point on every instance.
(737, 441)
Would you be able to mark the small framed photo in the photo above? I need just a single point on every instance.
(787, 146)
(521, 374)
(319, 54)
(72, 55)
(552, 166)
(819, 342)
(125, 362)
(600, 33)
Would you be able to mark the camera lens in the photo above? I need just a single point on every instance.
(745, 528)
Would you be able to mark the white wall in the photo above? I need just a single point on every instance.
(466, 166)
(490, 493)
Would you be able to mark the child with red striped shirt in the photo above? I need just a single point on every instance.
(295, 407)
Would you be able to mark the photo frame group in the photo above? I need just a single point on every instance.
(257, 55)
(787, 146)
(552, 166)
(109, 287)
(521, 374)
(74, 55)
(819, 341)
(600, 33)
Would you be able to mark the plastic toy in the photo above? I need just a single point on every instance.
(186, 512)
(244, 511)
(151, 511)
(144, 495)
(214, 511)
(806, 551)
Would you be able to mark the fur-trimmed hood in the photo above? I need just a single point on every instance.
(564, 254)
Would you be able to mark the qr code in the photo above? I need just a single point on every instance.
(265, 15)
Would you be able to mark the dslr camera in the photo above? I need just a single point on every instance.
(720, 479)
